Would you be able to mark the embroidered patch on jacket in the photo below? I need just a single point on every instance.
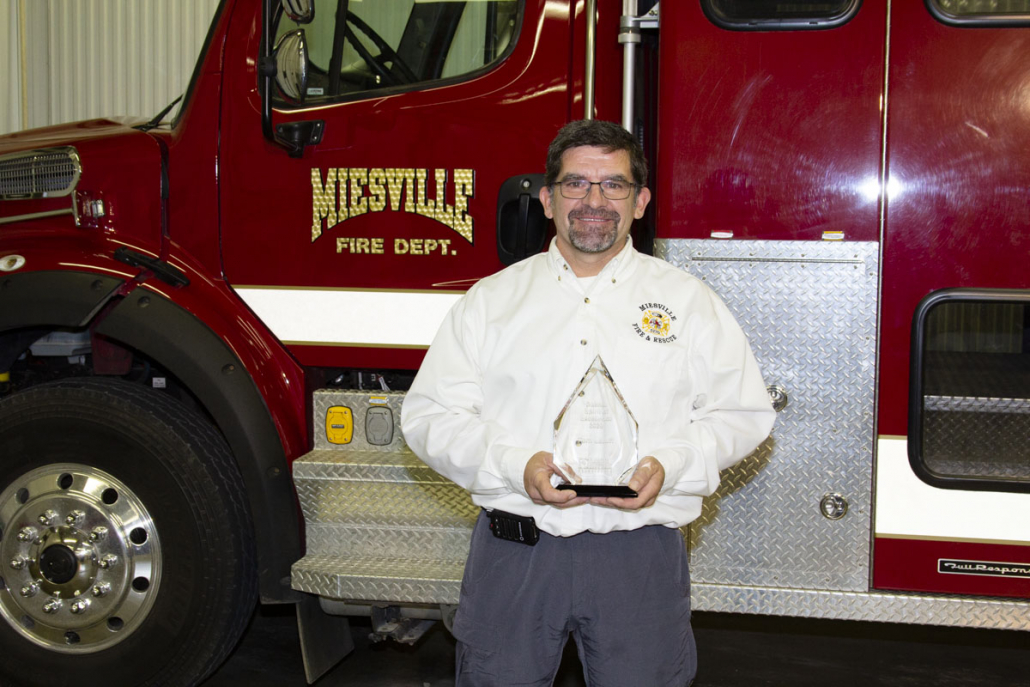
(655, 323)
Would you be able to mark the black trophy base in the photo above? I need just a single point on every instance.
(603, 490)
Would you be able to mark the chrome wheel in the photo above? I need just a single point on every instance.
(125, 545)
(80, 558)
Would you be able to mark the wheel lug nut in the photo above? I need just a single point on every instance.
(53, 605)
(80, 606)
(18, 562)
(75, 517)
(27, 534)
(30, 590)
(101, 589)
(47, 517)
(99, 533)
(108, 561)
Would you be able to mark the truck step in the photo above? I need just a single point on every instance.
(381, 525)
(379, 579)
(378, 490)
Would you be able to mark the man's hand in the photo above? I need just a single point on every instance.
(537, 479)
(647, 481)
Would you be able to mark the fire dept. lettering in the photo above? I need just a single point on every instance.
(342, 193)
(421, 246)
(358, 246)
(378, 246)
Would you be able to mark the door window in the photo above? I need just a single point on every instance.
(763, 15)
(971, 394)
(981, 12)
(363, 46)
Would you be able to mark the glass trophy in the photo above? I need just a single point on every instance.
(595, 437)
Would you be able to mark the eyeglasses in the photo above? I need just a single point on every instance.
(612, 189)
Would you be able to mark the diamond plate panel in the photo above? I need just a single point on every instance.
(379, 579)
(388, 505)
(872, 606)
(375, 579)
(378, 490)
(381, 527)
(365, 466)
(360, 403)
(443, 543)
(809, 310)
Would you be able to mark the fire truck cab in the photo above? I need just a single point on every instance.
(207, 324)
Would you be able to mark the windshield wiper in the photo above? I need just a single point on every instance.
(156, 121)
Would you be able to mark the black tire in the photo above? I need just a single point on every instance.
(81, 454)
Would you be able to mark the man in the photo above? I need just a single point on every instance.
(610, 571)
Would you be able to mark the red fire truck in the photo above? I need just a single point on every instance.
(207, 324)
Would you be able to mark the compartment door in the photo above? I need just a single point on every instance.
(952, 501)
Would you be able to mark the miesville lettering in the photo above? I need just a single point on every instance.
(657, 306)
(342, 193)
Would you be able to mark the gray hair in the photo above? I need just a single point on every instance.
(608, 136)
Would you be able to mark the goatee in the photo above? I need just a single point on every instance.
(593, 239)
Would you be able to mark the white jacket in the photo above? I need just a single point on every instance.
(512, 350)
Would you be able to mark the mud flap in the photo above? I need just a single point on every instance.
(324, 639)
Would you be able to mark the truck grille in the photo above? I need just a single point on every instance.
(44, 173)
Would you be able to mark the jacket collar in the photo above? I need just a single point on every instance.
(618, 268)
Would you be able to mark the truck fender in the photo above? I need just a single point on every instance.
(53, 299)
(47, 299)
(183, 344)
(203, 362)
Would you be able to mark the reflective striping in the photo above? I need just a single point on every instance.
(350, 316)
(908, 507)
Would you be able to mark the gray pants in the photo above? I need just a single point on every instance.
(624, 596)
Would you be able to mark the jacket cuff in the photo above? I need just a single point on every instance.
(674, 463)
(513, 468)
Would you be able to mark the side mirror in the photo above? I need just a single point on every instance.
(291, 62)
(300, 11)
(287, 65)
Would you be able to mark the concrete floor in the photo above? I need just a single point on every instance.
(734, 651)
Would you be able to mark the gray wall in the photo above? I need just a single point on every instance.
(67, 60)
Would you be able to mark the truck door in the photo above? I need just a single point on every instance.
(770, 130)
(353, 252)
(952, 501)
